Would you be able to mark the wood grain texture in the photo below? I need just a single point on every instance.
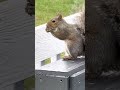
(16, 42)
(16, 86)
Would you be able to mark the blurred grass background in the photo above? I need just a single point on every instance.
(47, 9)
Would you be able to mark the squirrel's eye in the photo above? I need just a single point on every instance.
(53, 21)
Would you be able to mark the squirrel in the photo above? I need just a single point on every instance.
(70, 33)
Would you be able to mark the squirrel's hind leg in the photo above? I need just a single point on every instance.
(72, 50)
(68, 58)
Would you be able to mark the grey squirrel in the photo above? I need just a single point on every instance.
(72, 34)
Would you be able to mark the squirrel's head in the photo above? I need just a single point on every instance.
(53, 23)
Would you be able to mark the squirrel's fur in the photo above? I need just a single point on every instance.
(70, 33)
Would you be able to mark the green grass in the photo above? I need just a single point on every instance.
(62, 55)
(47, 9)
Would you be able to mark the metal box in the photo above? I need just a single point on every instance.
(61, 75)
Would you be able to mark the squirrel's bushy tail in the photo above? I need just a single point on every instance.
(80, 21)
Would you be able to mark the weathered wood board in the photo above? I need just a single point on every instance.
(16, 42)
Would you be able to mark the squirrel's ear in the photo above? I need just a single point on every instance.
(60, 17)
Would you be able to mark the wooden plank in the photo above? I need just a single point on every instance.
(15, 86)
(9, 87)
(16, 34)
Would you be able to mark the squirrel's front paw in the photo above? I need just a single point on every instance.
(68, 58)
